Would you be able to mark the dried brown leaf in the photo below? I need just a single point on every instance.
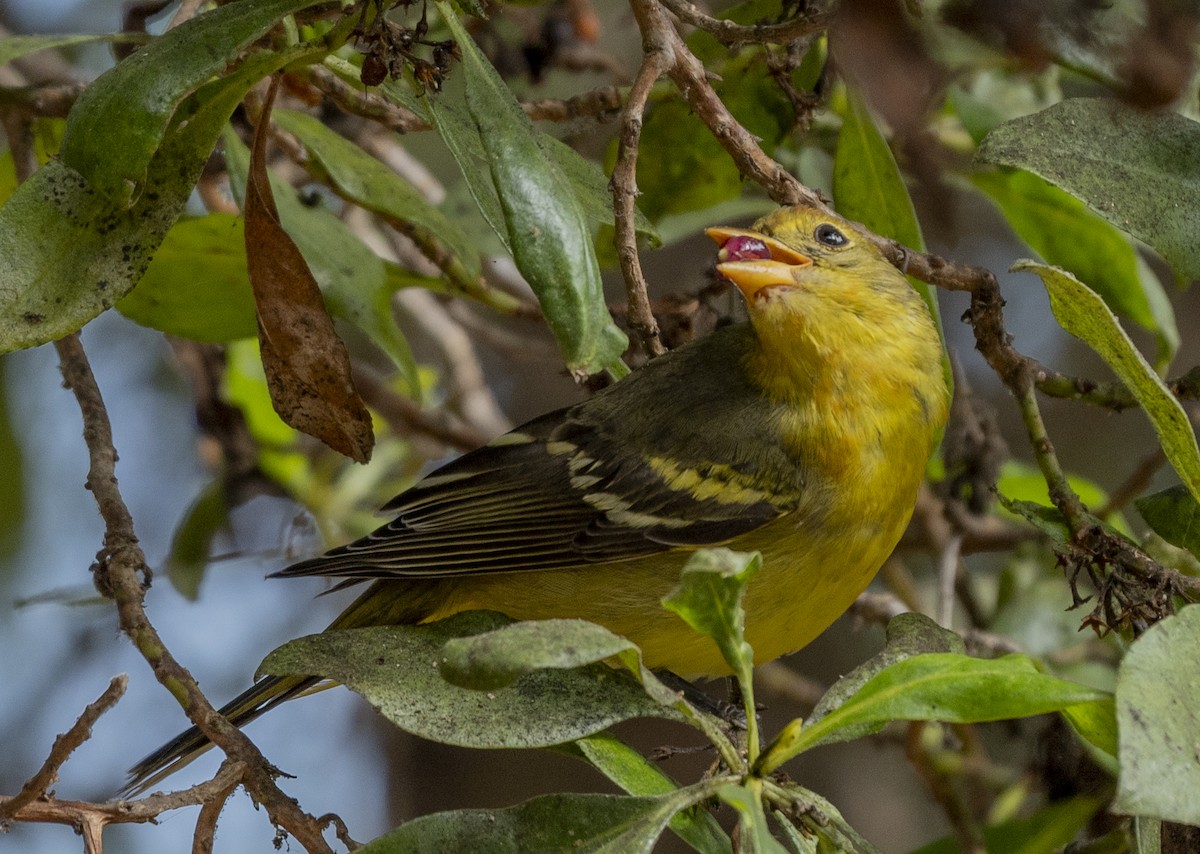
(306, 363)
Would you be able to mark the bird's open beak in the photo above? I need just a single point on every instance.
(777, 266)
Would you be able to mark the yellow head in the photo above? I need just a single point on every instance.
(826, 305)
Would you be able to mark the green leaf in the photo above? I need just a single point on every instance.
(67, 253)
(15, 47)
(191, 546)
(1133, 167)
(1147, 835)
(544, 226)
(1066, 234)
(754, 836)
(1023, 482)
(638, 776)
(118, 124)
(709, 599)
(352, 278)
(1095, 723)
(590, 185)
(397, 668)
(1045, 518)
(953, 688)
(1174, 515)
(497, 658)
(1082, 313)
(196, 286)
(567, 823)
(907, 635)
(1049, 829)
(1158, 716)
(362, 179)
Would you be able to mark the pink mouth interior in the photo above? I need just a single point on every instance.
(744, 249)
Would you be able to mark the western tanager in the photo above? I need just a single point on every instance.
(802, 434)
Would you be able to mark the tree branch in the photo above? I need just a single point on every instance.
(121, 573)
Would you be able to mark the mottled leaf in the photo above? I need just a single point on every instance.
(398, 670)
(1135, 168)
(1158, 715)
(67, 252)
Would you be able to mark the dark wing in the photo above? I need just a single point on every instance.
(557, 492)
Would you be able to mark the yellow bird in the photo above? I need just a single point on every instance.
(802, 434)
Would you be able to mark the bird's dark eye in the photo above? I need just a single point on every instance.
(829, 235)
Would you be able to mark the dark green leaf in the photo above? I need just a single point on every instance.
(1082, 313)
(544, 227)
(1158, 714)
(362, 179)
(598, 824)
(397, 668)
(868, 187)
(1133, 167)
(196, 286)
(1174, 515)
(590, 185)
(117, 125)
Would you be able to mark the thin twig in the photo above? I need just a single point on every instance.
(732, 34)
(63, 747)
(625, 192)
(689, 75)
(141, 811)
(210, 812)
(948, 562)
